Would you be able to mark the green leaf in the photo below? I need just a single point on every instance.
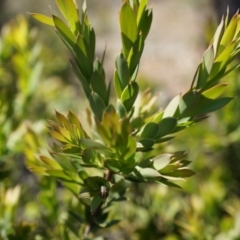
(42, 18)
(50, 162)
(121, 110)
(208, 58)
(145, 22)
(96, 202)
(222, 60)
(217, 37)
(131, 148)
(135, 55)
(88, 143)
(82, 52)
(172, 107)
(137, 123)
(117, 84)
(215, 91)
(164, 139)
(166, 126)
(182, 173)
(170, 168)
(147, 142)
(129, 95)
(99, 86)
(62, 7)
(73, 18)
(211, 105)
(148, 172)
(64, 32)
(229, 32)
(64, 175)
(150, 130)
(74, 120)
(122, 70)
(96, 182)
(88, 156)
(188, 103)
(62, 120)
(65, 133)
(97, 105)
(59, 136)
(38, 170)
(113, 165)
(162, 161)
(205, 67)
(128, 25)
(141, 9)
(82, 79)
(169, 184)
(92, 43)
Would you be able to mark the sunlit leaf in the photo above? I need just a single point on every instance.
(64, 31)
(215, 91)
(172, 107)
(148, 172)
(128, 26)
(162, 161)
(50, 162)
(229, 32)
(129, 95)
(42, 18)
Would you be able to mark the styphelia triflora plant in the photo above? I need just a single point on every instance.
(125, 142)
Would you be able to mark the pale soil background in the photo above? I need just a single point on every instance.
(173, 48)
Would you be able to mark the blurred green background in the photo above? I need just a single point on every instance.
(36, 79)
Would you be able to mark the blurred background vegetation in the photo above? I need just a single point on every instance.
(35, 79)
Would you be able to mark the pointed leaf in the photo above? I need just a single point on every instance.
(150, 130)
(82, 79)
(147, 142)
(96, 202)
(215, 91)
(229, 32)
(42, 18)
(58, 136)
(128, 22)
(99, 86)
(117, 84)
(129, 95)
(145, 22)
(113, 165)
(172, 107)
(50, 162)
(148, 172)
(97, 105)
(162, 161)
(166, 126)
(122, 70)
(188, 103)
(182, 173)
(217, 37)
(64, 31)
(211, 106)
(121, 110)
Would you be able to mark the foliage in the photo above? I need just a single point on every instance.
(123, 147)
